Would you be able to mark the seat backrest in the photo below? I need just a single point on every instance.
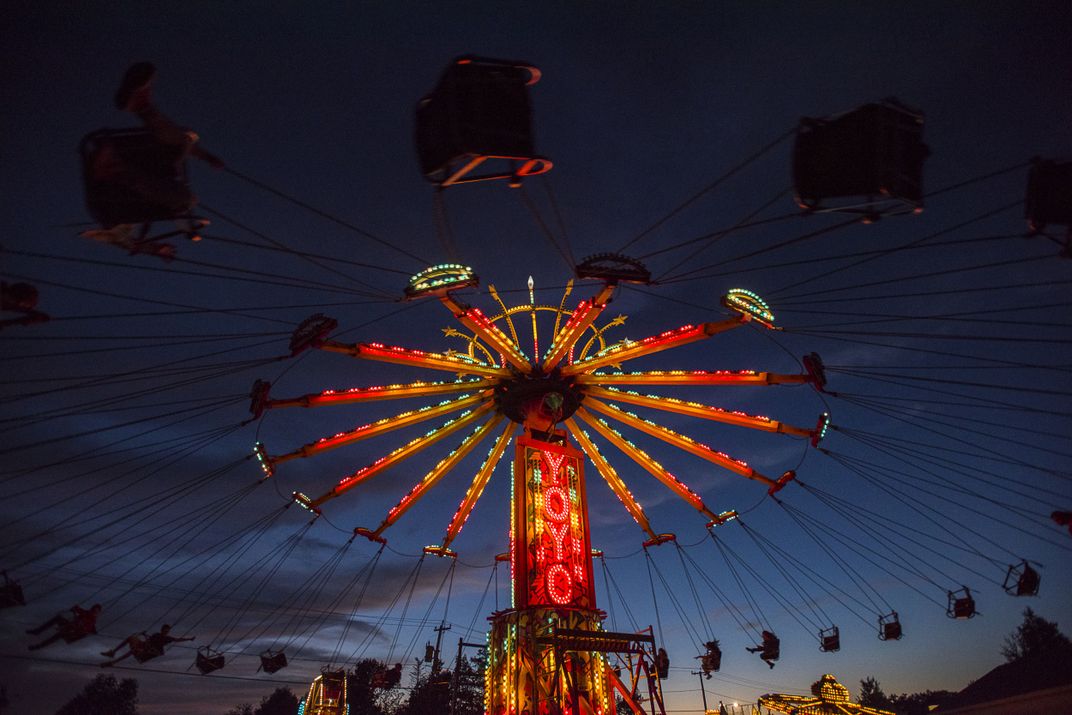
(479, 108)
(131, 177)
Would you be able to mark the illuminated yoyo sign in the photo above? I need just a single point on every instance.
(748, 303)
(439, 279)
(552, 566)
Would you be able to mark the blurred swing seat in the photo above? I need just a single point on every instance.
(208, 660)
(613, 268)
(711, 661)
(830, 640)
(273, 661)
(1022, 580)
(867, 161)
(889, 627)
(148, 650)
(961, 604)
(479, 114)
(130, 177)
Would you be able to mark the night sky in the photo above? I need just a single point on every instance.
(125, 434)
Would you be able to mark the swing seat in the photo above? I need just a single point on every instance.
(961, 605)
(870, 157)
(614, 268)
(72, 633)
(147, 653)
(208, 660)
(711, 661)
(311, 332)
(11, 594)
(772, 648)
(479, 111)
(1049, 194)
(889, 627)
(273, 661)
(813, 365)
(258, 398)
(830, 640)
(131, 178)
(1022, 580)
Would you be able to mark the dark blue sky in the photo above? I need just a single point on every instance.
(640, 106)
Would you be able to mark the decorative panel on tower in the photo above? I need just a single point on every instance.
(550, 550)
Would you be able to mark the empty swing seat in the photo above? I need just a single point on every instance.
(1022, 580)
(478, 111)
(961, 604)
(208, 660)
(830, 640)
(889, 627)
(872, 155)
(273, 661)
(131, 177)
(1049, 194)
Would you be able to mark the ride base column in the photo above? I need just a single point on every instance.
(552, 588)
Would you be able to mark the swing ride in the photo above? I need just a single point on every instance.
(557, 381)
(553, 587)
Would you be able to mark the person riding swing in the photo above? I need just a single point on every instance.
(143, 646)
(769, 650)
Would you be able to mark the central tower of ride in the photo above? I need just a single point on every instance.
(552, 588)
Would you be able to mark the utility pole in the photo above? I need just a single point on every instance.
(703, 691)
(437, 664)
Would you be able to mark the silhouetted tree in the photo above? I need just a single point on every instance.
(363, 698)
(918, 703)
(281, 702)
(468, 685)
(871, 694)
(1034, 636)
(429, 694)
(104, 695)
(244, 709)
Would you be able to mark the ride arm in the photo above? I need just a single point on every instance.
(692, 377)
(432, 478)
(681, 441)
(650, 465)
(387, 424)
(484, 329)
(403, 452)
(415, 358)
(380, 392)
(695, 409)
(582, 318)
(628, 350)
(476, 489)
(610, 476)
